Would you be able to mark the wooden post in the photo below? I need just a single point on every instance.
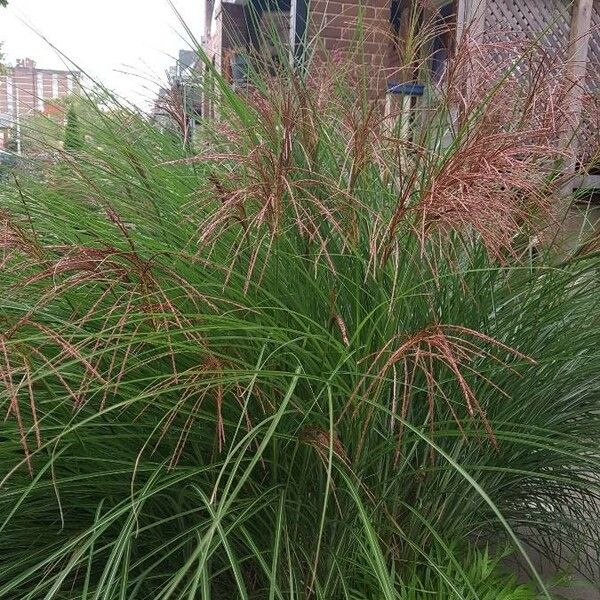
(470, 18)
(576, 64)
(470, 21)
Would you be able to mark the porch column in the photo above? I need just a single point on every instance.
(577, 56)
(470, 18)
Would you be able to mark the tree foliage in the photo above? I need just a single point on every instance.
(73, 140)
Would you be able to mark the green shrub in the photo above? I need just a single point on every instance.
(308, 361)
(73, 141)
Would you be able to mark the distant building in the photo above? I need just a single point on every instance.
(25, 89)
(178, 105)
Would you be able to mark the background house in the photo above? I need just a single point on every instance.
(234, 26)
(178, 105)
(569, 32)
(255, 26)
(25, 89)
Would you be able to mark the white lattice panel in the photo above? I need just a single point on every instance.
(511, 25)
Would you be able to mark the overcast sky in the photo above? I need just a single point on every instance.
(113, 40)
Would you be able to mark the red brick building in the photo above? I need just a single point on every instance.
(565, 28)
(25, 89)
(233, 27)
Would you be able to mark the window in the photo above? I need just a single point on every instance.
(395, 15)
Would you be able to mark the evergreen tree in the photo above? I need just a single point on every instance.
(73, 140)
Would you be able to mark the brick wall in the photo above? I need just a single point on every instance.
(358, 31)
(235, 29)
(235, 34)
(212, 43)
(25, 89)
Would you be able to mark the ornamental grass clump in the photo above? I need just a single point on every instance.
(304, 356)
